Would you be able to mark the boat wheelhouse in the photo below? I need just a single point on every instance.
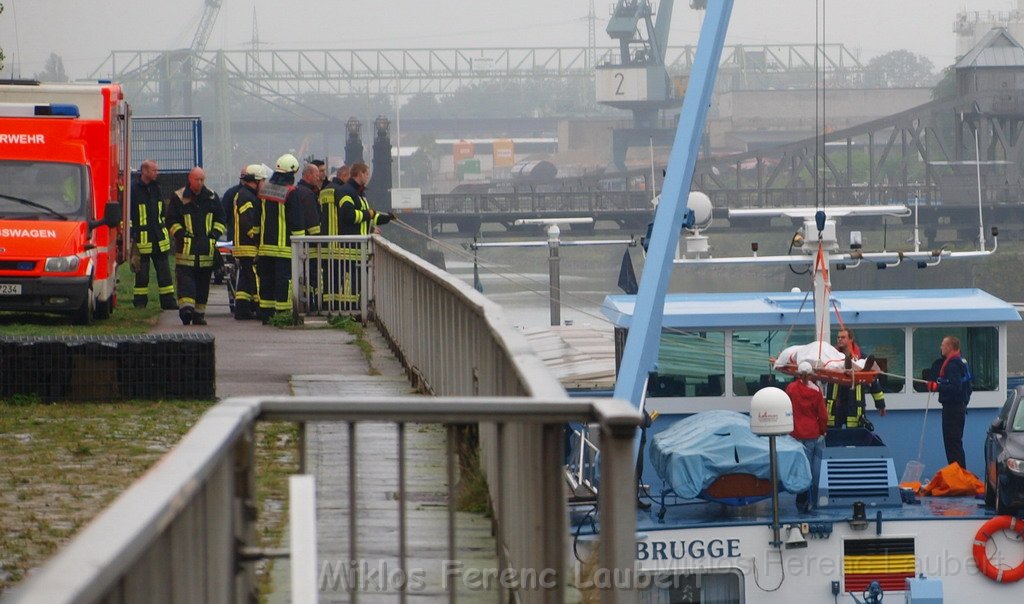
(716, 351)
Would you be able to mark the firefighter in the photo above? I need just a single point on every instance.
(330, 265)
(305, 196)
(228, 199)
(278, 221)
(356, 217)
(196, 220)
(149, 233)
(245, 210)
(846, 404)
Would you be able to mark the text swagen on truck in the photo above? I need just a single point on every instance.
(64, 153)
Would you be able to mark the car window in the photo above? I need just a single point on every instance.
(1018, 419)
(1011, 395)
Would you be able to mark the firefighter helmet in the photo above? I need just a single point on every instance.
(254, 172)
(287, 164)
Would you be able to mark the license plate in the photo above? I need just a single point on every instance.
(10, 289)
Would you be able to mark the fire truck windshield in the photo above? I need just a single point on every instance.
(42, 190)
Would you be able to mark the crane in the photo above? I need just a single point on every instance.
(206, 22)
(639, 81)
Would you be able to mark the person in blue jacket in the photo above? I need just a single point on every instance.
(951, 380)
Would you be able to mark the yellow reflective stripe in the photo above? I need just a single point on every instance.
(188, 223)
(175, 228)
(167, 289)
(220, 226)
(894, 563)
(878, 395)
(142, 215)
(245, 208)
(314, 230)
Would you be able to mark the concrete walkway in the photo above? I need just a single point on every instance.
(253, 359)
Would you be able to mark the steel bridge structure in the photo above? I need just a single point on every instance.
(287, 73)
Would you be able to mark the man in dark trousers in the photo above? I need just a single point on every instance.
(356, 217)
(228, 199)
(305, 195)
(149, 232)
(245, 211)
(195, 218)
(330, 255)
(274, 250)
(951, 378)
(846, 404)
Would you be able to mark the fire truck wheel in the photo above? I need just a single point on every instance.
(103, 308)
(84, 314)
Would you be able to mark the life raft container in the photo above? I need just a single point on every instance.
(993, 526)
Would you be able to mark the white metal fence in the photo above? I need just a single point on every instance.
(184, 531)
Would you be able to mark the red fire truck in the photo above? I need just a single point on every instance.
(64, 153)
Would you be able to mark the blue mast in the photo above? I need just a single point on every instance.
(641, 350)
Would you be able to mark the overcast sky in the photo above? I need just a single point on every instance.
(84, 32)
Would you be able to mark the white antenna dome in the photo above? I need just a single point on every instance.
(771, 412)
(700, 203)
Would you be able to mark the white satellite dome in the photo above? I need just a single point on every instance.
(700, 203)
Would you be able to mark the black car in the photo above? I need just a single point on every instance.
(1004, 456)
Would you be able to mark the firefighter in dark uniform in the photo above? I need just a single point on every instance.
(149, 232)
(195, 218)
(846, 404)
(245, 212)
(228, 199)
(278, 222)
(330, 264)
(305, 195)
(356, 217)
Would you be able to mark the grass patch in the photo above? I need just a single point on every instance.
(282, 320)
(277, 457)
(63, 463)
(355, 328)
(125, 320)
(471, 492)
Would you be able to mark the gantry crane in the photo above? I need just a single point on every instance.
(639, 81)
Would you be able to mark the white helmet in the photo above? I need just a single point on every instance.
(287, 164)
(804, 368)
(254, 172)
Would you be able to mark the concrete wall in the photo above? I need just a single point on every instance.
(794, 109)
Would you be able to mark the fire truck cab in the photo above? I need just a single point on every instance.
(64, 153)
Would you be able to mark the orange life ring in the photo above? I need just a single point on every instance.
(999, 523)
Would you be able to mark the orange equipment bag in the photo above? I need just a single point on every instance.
(953, 481)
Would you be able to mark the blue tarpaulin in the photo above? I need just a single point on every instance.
(693, 452)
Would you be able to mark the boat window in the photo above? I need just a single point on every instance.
(752, 352)
(690, 363)
(887, 346)
(978, 345)
(692, 588)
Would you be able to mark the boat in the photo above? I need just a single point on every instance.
(681, 355)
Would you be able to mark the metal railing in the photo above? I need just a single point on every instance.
(328, 273)
(186, 529)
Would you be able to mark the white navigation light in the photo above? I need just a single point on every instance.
(700, 203)
(771, 412)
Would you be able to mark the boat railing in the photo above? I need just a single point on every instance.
(187, 529)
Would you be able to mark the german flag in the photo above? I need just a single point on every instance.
(889, 561)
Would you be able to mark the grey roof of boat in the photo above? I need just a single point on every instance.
(755, 310)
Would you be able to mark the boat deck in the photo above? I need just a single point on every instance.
(699, 513)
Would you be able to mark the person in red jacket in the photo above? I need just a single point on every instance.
(810, 420)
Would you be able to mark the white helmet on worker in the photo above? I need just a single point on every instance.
(254, 172)
(804, 368)
(287, 164)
